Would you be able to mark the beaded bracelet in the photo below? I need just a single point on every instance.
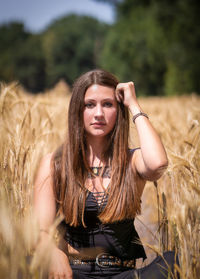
(139, 114)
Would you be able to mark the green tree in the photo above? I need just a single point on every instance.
(180, 24)
(72, 46)
(12, 37)
(156, 43)
(21, 57)
(30, 64)
(134, 50)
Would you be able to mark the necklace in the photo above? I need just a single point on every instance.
(96, 171)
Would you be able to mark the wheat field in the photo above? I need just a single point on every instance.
(32, 126)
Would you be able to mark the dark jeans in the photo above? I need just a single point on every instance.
(158, 269)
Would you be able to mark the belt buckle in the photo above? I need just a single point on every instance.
(99, 256)
(105, 255)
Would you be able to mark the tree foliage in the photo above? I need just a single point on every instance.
(137, 54)
(69, 46)
(21, 57)
(155, 43)
(72, 46)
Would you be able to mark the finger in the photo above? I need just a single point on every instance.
(52, 275)
(119, 95)
(132, 84)
(126, 85)
(121, 85)
(116, 95)
(57, 276)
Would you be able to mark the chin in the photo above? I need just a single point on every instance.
(98, 134)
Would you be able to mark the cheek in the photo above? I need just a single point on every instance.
(113, 117)
(86, 117)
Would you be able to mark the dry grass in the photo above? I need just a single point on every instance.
(31, 126)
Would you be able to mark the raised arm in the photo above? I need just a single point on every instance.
(45, 212)
(150, 160)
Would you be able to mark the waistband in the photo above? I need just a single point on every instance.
(104, 260)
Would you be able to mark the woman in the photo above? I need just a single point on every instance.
(95, 181)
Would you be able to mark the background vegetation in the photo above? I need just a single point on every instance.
(33, 125)
(155, 43)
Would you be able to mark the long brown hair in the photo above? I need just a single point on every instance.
(71, 167)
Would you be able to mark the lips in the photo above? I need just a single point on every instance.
(99, 124)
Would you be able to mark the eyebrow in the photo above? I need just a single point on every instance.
(104, 100)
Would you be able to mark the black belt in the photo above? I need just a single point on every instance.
(104, 260)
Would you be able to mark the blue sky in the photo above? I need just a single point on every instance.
(37, 14)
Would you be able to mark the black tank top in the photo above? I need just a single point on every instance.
(119, 239)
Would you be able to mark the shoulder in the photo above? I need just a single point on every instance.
(44, 169)
(45, 161)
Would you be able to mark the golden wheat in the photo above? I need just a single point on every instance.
(32, 126)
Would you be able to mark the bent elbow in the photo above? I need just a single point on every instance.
(163, 164)
(158, 169)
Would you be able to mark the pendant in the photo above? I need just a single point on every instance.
(97, 170)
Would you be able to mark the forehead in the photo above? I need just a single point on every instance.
(99, 91)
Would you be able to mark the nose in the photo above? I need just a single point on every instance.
(99, 111)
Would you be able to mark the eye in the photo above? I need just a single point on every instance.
(108, 104)
(89, 105)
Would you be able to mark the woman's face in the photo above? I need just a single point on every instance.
(100, 110)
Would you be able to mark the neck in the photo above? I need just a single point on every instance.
(95, 151)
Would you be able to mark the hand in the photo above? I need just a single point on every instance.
(59, 266)
(125, 93)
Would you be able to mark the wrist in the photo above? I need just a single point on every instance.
(135, 116)
(137, 112)
(134, 109)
